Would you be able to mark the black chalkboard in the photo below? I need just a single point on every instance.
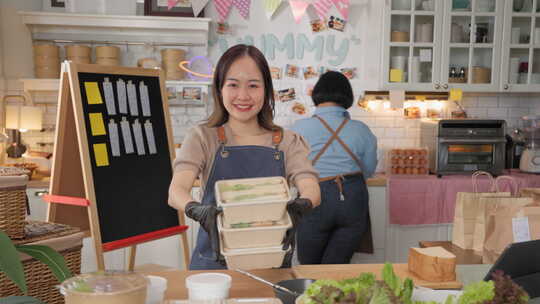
(131, 192)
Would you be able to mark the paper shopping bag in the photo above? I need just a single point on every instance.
(509, 224)
(465, 212)
(531, 192)
(480, 220)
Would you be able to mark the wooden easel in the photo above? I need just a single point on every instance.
(72, 188)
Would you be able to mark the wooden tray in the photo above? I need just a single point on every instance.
(346, 271)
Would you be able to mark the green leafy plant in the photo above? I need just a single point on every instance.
(11, 265)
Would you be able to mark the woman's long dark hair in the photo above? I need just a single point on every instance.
(220, 115)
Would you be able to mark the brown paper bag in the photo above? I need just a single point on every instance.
(465, 212)
(500, 230)
(531, 192)
(480, 219)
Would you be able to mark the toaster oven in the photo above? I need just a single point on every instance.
(458, 146)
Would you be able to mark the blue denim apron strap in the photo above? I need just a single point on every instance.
(232, 162)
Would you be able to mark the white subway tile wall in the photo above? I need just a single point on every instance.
(390, 127)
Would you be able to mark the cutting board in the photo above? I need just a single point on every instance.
(347, 271)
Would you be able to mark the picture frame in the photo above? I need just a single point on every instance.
(159, 8)
(58, 3)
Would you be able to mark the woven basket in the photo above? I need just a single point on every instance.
(39, 278)
(13, 201)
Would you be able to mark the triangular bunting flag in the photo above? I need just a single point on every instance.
(198, 6)
(298, 9)
(171, 4)
(322, 7)
(223, 7)
(270, 7)
(343, 7)
(243, 7)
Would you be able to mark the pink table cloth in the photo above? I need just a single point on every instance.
(421, 200)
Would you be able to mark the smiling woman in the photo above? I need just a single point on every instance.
(240, 140)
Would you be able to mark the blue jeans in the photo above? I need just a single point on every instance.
(332, 232)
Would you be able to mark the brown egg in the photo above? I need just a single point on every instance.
(395, 160)
(393, 170)
(397, 151)
(414, 171)
(415, 161)
(400, 170)
(423, 152)
(408, 170)
(422, 171)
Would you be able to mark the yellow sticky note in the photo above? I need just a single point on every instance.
(92, 93)
(100, 152)
(456, 95)
(396, 75)
(97, 125)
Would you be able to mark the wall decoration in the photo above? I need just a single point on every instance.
(268, 43)
(287, 95)
(222, 28)
(198, 6)
(243, 7)
(343, 7)
(291, 71)
(298, 9)
(223, 8)
(299, 108)
(58, 3)
(350, 73)
(192, 93)
(310, 72)
(270, 7)
(275, 72)
(318, 25)
(161, 8)
(336, 23)
(322, 7)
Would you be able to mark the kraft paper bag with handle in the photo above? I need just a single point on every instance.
(531, 192)
(480, 220)
(466, 210)
(509, 224)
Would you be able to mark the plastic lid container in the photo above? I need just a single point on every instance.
(156, 289)
(105, 287)
(208, 286)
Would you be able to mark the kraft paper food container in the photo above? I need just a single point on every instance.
(105, 287)
(252, 237)
(253, 258)
(252, 199)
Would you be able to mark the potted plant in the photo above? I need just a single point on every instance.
(11, 265)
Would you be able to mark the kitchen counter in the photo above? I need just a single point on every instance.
(245, 287)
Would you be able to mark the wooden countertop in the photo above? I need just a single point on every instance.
(379, 180)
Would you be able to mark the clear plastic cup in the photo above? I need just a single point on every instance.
(156, 289)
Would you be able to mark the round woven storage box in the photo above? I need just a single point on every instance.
(108, 55)
(78, 53)
(170, 58)
(13, 201)
(46, 61)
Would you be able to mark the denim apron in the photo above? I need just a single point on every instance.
(340, 225)
(232, 163)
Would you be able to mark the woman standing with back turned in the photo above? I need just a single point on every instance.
(344, 152)
(239, 140)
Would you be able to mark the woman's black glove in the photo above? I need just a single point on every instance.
(296, 208)
(207, 215)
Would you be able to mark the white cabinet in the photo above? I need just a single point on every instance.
(439, 45)
(521, 47)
